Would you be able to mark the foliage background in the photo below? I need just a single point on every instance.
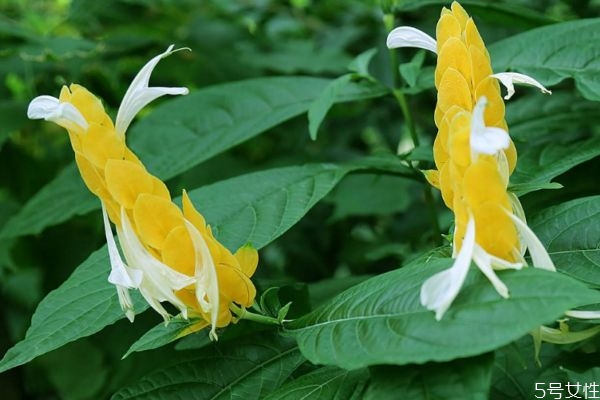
(375, 220)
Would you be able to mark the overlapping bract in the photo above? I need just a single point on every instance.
(474, 157)
(170, 253)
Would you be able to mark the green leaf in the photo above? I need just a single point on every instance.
(538, 164)
(571, 233)
(537, 119)
(410, 70)
(589, 378)
(266, 203)
(370, 194)
(84, 304)
(320, 107)
(187, 130)
(160, 335)
(183, 132)
(381, 321)
(499, 12)
(326, 383)
(360, 65)
(65, 197)
(465, 379)
(249, 369)
(553, 53)
(516, 371)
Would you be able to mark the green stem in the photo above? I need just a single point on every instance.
(403, 103)
(242, 313)
(401, 99)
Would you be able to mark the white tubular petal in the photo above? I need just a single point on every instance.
(486, 140)
(483, 260)
(508, 79)
(160, 281)
(51, 109)
(126, 303)
(120, 274)
(539, 255)
(581, 314)
(407, 36)
(439, 291)
(207, 285)
(518, 211)
(139, 94)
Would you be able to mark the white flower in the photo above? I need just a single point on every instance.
(159, 281)
(486, 139)
(508, 79)
(140, 94)
(63, 114)
(207, 286)
(407, 36)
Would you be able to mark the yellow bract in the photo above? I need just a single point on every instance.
(470, 185)
(114, 174)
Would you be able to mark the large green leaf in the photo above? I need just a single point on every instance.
(257, 208)
(571, 233)
(65, 197)
(465, 379)
(81, 306)
(381, 321)
(271, 202)
(536, 118)
(185, 131)
(516, 371)
(326, 383)
(553, 53)
(538, 164)
(249, 369)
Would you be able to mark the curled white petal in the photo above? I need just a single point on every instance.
(483, 260)
(439, 291)
(486, 140)
(51, 109)
(539, 255)
(508, 79)
(159, 280)
(407, 36)
(207, 285)
(121, 275)
(583, 314)
(139, 94)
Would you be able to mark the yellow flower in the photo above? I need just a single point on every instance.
(170, 254)
(474, 156)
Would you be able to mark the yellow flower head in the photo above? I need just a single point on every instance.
(474, 157)
(170, 253)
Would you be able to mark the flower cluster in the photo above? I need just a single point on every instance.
(170, 254)
(474, 156)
